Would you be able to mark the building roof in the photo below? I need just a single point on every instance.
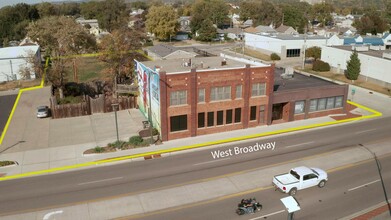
(16, 52)
(234, 30)
(252, 30)
(298, 81)
(162, 49)
(173, 66)
(375, 41)
(296, 36)
(265, 29)
(282, 28)
(373, 53)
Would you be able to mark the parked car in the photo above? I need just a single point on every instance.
(43, 112)
(300, 178)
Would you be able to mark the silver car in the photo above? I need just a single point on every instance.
(42, 112)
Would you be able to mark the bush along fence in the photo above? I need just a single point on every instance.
(89, 105)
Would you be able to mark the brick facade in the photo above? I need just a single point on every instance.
(194, 80)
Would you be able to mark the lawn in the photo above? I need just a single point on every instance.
(88, 69)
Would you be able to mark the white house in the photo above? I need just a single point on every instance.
(375, 61)
(13, 60)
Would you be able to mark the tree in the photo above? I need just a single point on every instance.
(353, 68)
(119, 51)
(139, 5)
(370, 23)
(296, 15)
(261, 12)
(162, 21)
(46, 9)
(207, 32)
(314, 52)
(322, 13)
(214, 10)
(60, 37)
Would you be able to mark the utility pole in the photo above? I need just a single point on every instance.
(381, 177)
(304, 47)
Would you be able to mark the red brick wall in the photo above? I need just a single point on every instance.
(192, 81)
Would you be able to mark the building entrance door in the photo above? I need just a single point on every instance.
(277, 111)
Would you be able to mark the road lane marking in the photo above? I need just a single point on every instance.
(212, 161)
(48, 215)
(265, 216)
(360, 132)
(98, 181)
(364, 185)
(311, 142)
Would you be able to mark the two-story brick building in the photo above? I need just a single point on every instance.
(204, 95)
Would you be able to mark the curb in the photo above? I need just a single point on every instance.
(362, 215)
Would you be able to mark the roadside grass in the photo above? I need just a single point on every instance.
(19, 84)
(6, 163)
(253, 53)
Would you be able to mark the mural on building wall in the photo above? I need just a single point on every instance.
(148, 78)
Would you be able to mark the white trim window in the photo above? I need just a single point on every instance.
(258, 89)
(220, 93)
(178, 98)
(201, 95)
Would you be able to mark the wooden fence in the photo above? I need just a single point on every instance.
(90, 106)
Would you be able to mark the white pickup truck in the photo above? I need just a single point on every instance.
(300, 178)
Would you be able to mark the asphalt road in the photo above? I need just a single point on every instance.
(6, 104)
(348, 191)
(129, 178)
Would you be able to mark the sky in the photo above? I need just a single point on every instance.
(14, 2)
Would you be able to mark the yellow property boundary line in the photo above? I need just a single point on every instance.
(194, 146)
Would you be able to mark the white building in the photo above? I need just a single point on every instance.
(13, 60)
(285, 45)
(375, 61)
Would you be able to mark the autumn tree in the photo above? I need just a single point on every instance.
(322, 13)
(296, 15)
(261, 12)
(118, 51)
(207, 31)
(215, 11)
(60, 37)
(162, 22)
(353, 66)
(314, 52)
(370, 23)
(46, 9)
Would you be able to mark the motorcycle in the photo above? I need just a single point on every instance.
(247, 206)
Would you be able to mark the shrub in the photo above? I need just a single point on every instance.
(117, 144)
(320, 66)
(98, 149)
(70, 100)
(275, 56)
(6, 163)
(155, 131)
(135, 140)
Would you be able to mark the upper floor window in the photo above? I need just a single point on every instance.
(239, 91)
(258, 89)
(178, 97)
(220, 93)
(201, 95)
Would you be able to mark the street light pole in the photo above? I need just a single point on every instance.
(381, 177)
(115, 106)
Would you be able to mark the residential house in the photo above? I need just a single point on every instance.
(165, 51)
(232, 33)
(265, 30)
(286, 29)
(14, 64)
(184, 28)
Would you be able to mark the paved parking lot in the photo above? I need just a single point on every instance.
(6, 104)
(27, 132)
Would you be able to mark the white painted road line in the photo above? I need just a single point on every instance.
(311, 142)
(265, 216)
(365, 131)
(48, 215)
(212, 161)
(358, 187)
(98, 181)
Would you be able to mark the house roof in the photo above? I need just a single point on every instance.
(282, 28)
(17, 52)
(252, 30)
(375, 41)
(385, 35)
(265, 29)
(162, 49)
